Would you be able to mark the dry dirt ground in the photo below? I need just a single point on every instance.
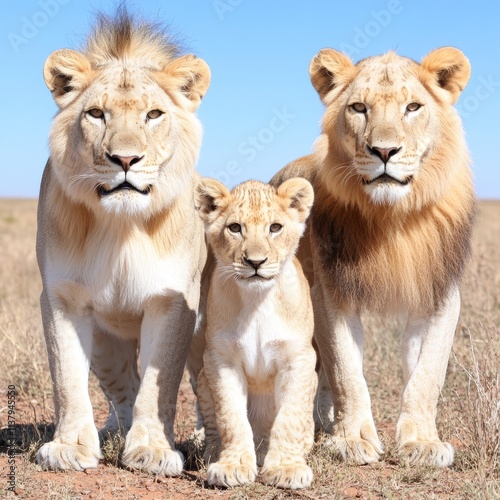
(469, 412)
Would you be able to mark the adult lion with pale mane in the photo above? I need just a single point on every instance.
(389, 232)
(120, 246)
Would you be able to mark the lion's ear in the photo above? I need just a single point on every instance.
(330, 69)
(298, 194)
(190, 76)
(210, 197)
(67, 74)
(450, 69)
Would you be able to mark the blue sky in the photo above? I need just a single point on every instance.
(261, 110)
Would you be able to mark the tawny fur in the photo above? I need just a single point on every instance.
(257, 387)
(120, 247)
(394, 244)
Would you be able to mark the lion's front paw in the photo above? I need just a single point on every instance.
(62, 456)
(231, 474)
(293, 476)
(164, 461)
(356, 450)
(421, 452)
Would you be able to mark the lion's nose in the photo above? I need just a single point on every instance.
(254, 263)
(125, 162)
(384, 153)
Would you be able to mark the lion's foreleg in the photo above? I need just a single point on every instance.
(69, 345)
(237, 462)
(292, 433)
(339, 336)
(166, 332)
(114, 362)
(426, 348)
(206, 405)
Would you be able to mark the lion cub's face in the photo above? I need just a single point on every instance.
(126, 138)
(254, 229)
(385, 115)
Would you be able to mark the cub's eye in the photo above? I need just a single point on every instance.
(359, 107)
(274, 228)
(413, 106)
(154, 113)
(96, 113)
(234, 228)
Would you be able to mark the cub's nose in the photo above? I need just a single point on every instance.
(254, 263)
(125, 162)
(384, 153)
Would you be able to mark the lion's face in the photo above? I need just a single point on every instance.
(128, 140)
(390, 124)
(384, 117)
(254, 229)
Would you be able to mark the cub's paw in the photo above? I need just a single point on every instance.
(61, 456)
(230, 474)
(293, 476)
(356, 451)
(435, 453)
(163, 461)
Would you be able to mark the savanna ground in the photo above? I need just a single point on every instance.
(469, 410)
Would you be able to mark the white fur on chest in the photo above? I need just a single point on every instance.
(256, 339)
(120, 275)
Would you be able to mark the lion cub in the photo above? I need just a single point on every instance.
(258, 383)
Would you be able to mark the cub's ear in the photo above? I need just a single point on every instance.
(449, 68)
(190, 76)
(330, 69)
(67, 74)
(210, 197)
(297, 193)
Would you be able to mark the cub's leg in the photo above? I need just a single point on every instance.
(261, 413)
(207, 408)
(339, 335)
(292, 434)
(426, 348)
(228, 385)
(114, 362)
(69, 345)
(166, 331)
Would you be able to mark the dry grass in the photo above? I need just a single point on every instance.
(469, 415)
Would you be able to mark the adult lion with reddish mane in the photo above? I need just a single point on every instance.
(389, 233)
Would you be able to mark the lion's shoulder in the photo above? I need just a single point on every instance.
(305, 167)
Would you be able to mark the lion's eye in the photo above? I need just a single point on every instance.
(96, 113)
(234, 228)
(154, 113)
(359, 107)
(413, 106)
(274, 228)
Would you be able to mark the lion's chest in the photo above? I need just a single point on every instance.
(118, 279)
(258, 343)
